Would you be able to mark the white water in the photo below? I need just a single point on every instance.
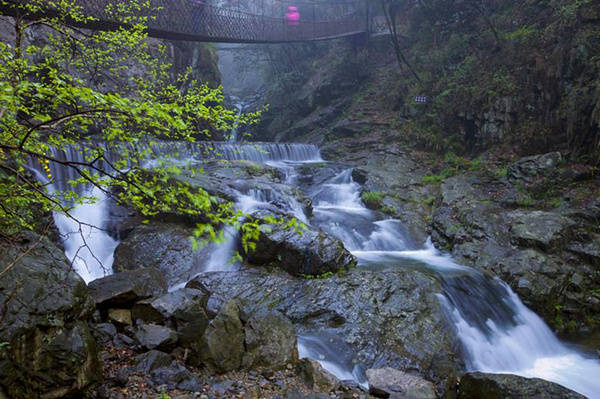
(87, 245)
(498, 332)
(283, 156)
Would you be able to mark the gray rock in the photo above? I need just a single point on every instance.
(165, 247)
(224, 340)
(316, 377)
(126, 288)
(531, 167)
(500, 386)
(176, 376)
(295, 393)
(400, 305)
(544, 230)
(125, 342)
(152, 336)
(183, 310)
(309, 253)
(45, 309)
(537, 277)
(395, 384)
(105, 332)
(270, 341)
(150, 361)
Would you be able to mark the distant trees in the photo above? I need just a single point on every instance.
(390, 10)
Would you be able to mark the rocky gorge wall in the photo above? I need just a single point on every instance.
(502, 82)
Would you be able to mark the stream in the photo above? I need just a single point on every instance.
(499, 334)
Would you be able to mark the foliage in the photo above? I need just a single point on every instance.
(522, 75)
(100, 92)
(372, 199)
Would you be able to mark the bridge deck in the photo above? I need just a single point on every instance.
(193, 21)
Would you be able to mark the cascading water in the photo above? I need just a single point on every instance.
(498, 333)
(87, 244)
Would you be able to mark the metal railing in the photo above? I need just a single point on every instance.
(196, 21)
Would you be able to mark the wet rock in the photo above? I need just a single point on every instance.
(270, 340)
(181, 310)
(310, 253)
(537, 278)
(401, 305)
(500, 386)
(544, 230)
(45, 308)
(152, 336)
(395, 384)
(316, 377)
(224, 340)
(165, 247)
(124, 289)
(149, 361)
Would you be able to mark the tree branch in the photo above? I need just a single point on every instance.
(54, 123)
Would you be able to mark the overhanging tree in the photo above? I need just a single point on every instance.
(70, 87)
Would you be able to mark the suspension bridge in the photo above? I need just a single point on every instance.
(224, 21)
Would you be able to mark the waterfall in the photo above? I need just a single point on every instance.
(499, 334)
(87, 245)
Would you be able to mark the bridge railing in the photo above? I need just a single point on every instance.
(196, 21)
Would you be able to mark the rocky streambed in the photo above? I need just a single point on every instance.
(164, 323)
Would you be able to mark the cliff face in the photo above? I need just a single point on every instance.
(516, 77)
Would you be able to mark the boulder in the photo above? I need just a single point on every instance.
(120, 317)
(310, 253)
(47, 348)
(182, 310)
(395, 384)
(547, 231)
(152, 336)
(176, 376)
(529, 168)
(499, 386)
(122, 290)
(316, 377)
(223, 348)
(270, 340)
(401, 305)
(165, 247)
(537, 278)
(150, 361)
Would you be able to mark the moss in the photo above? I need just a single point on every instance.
(373, 199)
